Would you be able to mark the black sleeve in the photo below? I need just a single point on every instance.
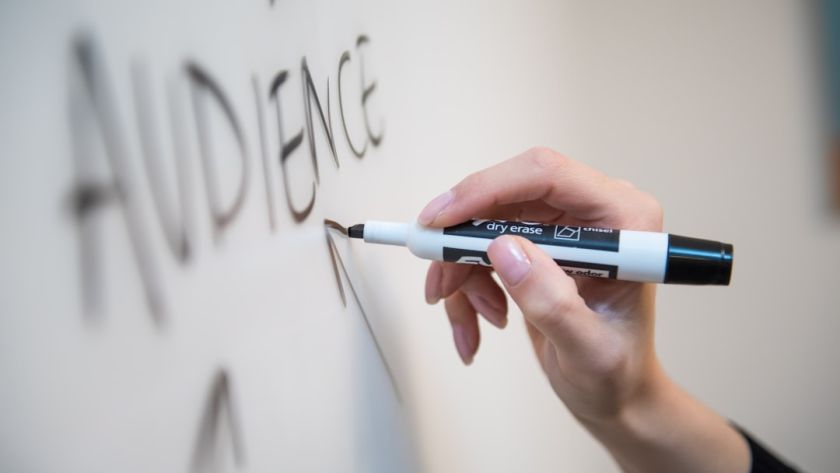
(762, 460)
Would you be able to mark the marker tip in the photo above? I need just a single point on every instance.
(356, 231)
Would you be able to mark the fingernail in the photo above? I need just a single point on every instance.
(435, 207)
(462, 343)
(492, 312)
(510, 261)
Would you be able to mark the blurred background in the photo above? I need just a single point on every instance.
(270, 349)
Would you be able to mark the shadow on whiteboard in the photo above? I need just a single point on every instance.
(383, 439)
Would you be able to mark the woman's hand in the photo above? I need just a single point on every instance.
(593, 337)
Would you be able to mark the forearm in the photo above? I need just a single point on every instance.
(664, 429)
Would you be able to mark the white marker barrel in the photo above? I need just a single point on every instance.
(581, 251)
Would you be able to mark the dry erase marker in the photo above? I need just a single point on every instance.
(581, 251)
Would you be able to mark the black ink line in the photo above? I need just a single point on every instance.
(94, 106)
(269, 185)
(335, 226)
(339, 267)
(330, 224)
(84, 199)
(367, 91)
(345, 58)
(286, 149)
(218, 399)
(174, 233)
(201, 79)
(183, 175)
(309, 93)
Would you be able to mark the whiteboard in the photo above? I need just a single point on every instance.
(169, 297)
(173, 299)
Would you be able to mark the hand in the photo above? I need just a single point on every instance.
(593, 338)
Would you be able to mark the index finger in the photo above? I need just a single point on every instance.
(538, 174)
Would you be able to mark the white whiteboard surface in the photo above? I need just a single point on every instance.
(243, 355)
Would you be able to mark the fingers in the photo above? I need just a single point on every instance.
(444, 278)
(482, 292)
(468, 290)
(433, 278)
(532, 211)
(547, 297)
(475, 282)
(454, 276)
(464, 323)
(543, 175)
(486, 297)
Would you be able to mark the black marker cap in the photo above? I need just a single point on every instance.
(696, 261)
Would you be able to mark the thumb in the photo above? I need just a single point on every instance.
(547, 296)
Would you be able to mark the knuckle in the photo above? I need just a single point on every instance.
(642, 211)
(653, 211)
(561, 306)
(626, 184)
(546, 159)
(607, 368)
(611, 362)
(469, 183)
(552, 308)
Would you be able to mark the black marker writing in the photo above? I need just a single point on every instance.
(360, 153)
(287, 148)
(269, 183)
(174, 226)
(367, 91)
(338, 268)
(205, 87)
(310, 93)
(219, 405)
(97, 131)
(93, 115)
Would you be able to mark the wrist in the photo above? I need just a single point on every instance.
(663, 428)
(638, 414)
